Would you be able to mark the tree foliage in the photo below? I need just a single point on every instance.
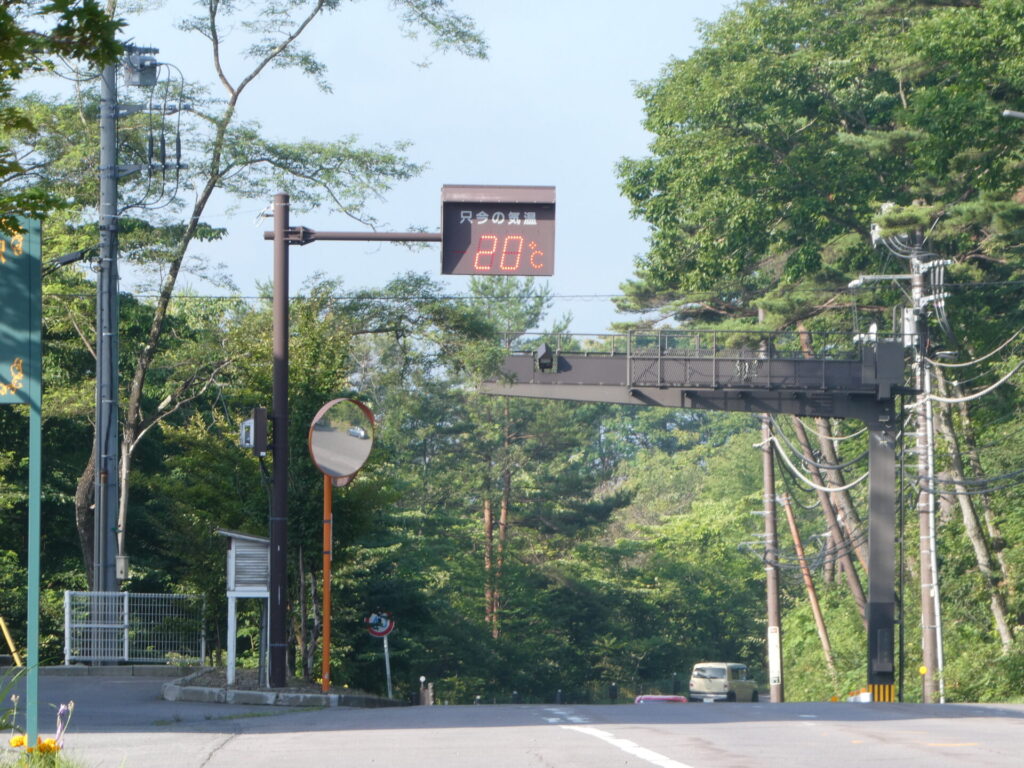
(794, 140)
(33, 35)
(529, 547)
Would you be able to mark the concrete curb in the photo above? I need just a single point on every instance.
(113, 670)
(181, 690)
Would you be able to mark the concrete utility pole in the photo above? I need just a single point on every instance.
(107, 313)
(915, 336)
(109, 565)
(931, 634)
(771, 565)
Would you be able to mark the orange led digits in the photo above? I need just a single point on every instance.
(515, 251)
(481, 251)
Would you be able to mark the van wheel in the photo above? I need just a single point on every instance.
(753, 696)
(730, 696)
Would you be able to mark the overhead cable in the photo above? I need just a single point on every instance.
(833, 438)
(976, 395)
(981, 359)
(812, 484)
(812, 462)
(964, 492)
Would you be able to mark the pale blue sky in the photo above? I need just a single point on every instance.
(553, 105)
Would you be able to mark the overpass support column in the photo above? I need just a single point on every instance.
(881, 562)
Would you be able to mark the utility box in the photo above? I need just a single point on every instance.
(248, 564)
(253, 432)
(140, 70)
(248, 576)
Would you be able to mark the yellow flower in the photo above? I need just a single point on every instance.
(17, 741)
(48, 745)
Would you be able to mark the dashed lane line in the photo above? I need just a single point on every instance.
(629, 747)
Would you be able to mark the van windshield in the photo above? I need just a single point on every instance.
(709, 672)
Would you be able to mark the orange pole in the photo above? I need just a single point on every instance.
(325, 665)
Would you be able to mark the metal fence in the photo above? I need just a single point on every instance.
(133, 628)
(729, 344)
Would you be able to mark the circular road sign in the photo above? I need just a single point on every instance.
(380, 623)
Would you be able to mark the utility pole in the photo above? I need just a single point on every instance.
(771, 565)
(812, 595)
(915, 336)
(109, 562)
(107, 312)
(931, 634)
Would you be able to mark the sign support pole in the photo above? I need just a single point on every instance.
(35, 492)
(516, 250)
(387, 664)
(279, 498)
(325, 662)
(339, 446)
(35, 476)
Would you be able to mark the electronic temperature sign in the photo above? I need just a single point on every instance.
(497, 230)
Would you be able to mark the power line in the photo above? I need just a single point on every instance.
(560, 296)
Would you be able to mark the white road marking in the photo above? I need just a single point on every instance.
(627, 746)
(562, 715)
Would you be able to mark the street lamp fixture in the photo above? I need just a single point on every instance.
(863, 279)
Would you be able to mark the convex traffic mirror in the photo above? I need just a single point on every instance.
(340, 438)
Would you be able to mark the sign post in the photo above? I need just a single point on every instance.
(340, 440)
(381, 624)
(482, 238)
(21, 383)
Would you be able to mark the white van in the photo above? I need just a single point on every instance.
(721, 681)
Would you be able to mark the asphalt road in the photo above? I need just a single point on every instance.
(124, 722)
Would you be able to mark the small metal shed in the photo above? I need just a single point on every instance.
(248, 576)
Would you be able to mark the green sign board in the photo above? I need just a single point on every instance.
(20, 314)
(21, 382)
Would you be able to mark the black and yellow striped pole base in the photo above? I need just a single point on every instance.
(885, 692)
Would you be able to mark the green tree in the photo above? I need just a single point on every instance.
(777, 142)
(33, 35)
(225, 153)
